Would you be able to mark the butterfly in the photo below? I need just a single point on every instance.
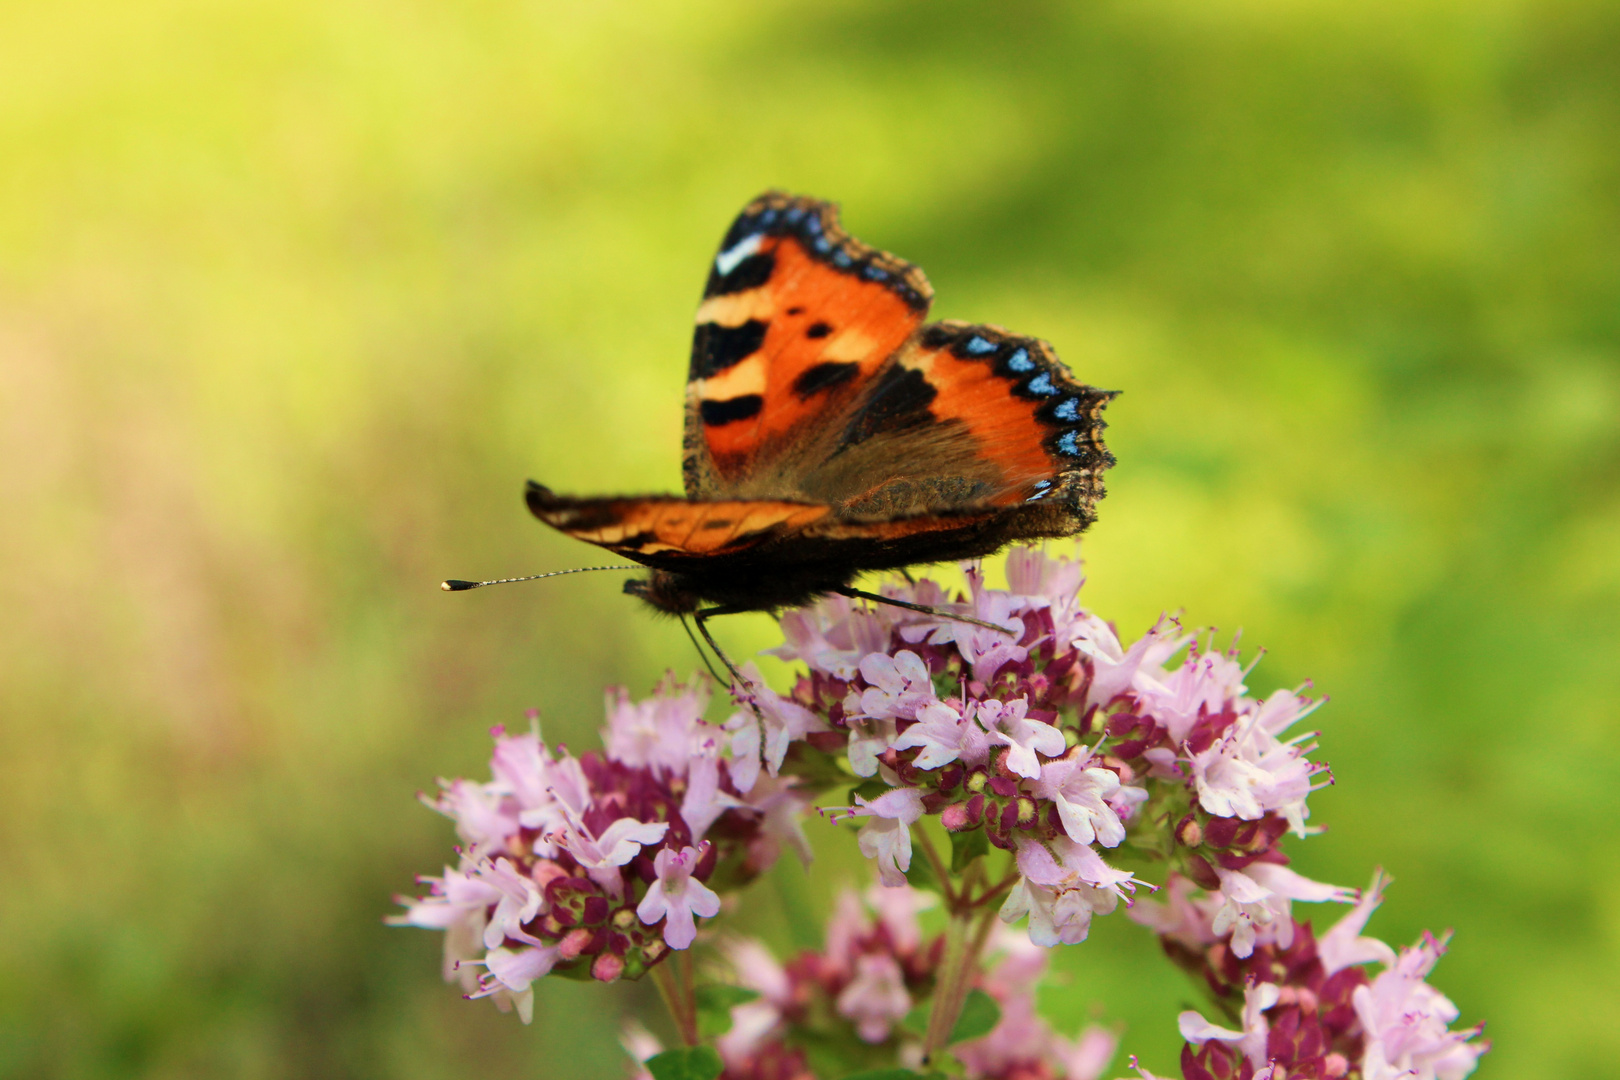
(830, 431)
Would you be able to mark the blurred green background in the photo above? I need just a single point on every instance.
(294, 295)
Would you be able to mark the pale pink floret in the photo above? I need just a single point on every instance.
(1060, 888)
(458, 904)
(1005, 724)
(849, 923)
(753, 1021)
(1037, 580)
(1407, 1023)
(897, 686)
(1180, 917)
(833, 635)
(1083, 794)
(677, 896)
(943, 736)
(1204, 683)
(1260, 897)
(601, 856)
(876, 997)
(1251, 1041)
(762, 732)
(520, 901)
(521, 767)
(887, 836)
(511, 975)
(704, 800)
(484, 817)
(659, 732)
(1116, 669)
(1087, 1056)
(781, 809)
(896, 910)
(985, 650)
(1248, 771)
(1343, 946)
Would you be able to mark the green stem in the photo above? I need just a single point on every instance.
(935, 863)
(963, 944)
(675, 1001)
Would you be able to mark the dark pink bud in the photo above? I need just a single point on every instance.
(955, 817)
(574, 942)
(1220, 832)
(607, 968)
(1202, 874)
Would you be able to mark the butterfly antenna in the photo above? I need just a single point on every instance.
(457, 585)
(857, 594)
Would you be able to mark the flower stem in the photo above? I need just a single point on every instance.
(941, 872)
(681, 1005)
(963, 943)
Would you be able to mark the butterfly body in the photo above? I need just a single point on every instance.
(830, 432)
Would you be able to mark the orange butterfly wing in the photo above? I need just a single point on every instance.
(796, 319)
(664, 530)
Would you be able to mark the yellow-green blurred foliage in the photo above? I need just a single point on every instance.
(295, 294)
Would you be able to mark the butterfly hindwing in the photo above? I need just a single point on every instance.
(796, 319)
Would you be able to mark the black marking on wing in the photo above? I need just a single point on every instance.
(824, 376)
(715, 413)
(815, 225)
(716, 347)
(818, 330)
(751, 273)
(900, 400)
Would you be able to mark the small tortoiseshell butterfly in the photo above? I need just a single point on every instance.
(829, 431)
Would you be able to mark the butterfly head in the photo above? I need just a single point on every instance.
(665, 591)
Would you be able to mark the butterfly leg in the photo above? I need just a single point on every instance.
(857, 594)
(701, 618)
(702, 653)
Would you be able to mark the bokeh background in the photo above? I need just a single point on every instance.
(295, 294)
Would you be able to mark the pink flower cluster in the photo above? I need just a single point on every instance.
(1057, 740)
(1304, 1005)
(876, 966)
(602, 863)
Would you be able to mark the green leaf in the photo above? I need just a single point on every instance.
(967, 846)
(688, 1063)
(868, 789)
(980, 1015)
(921, 875)
(715, 1003)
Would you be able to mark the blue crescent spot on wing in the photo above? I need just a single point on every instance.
(1069, 443)
(1067, 409)
(1042, 384)
(1020, 361)
(978, 346)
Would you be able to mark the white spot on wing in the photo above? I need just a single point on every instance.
(727, 260)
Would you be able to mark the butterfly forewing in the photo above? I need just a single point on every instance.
(796, 319)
